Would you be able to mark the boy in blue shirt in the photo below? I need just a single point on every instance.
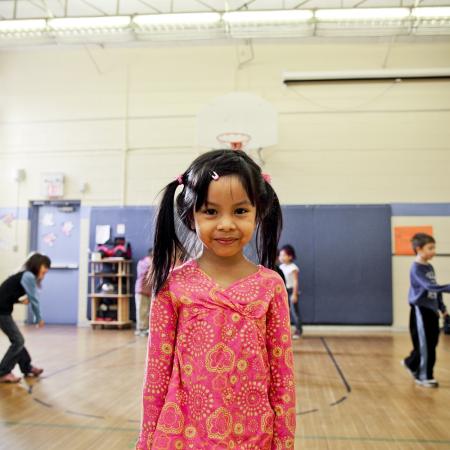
(425, 299)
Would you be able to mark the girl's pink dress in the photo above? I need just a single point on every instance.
(220, 368)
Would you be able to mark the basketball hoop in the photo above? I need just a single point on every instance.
(235, 141)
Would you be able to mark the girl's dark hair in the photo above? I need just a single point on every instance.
(167, 243)
(35, 261)
(419, 240)
(289, 250)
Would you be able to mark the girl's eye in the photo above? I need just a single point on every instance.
(209, 211)
(241, 211)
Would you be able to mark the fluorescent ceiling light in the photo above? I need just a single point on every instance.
(366, 75)
(177, 19)
(71, 23)
(433, 12)
(22, 25)
(242, 17)
(362, 14)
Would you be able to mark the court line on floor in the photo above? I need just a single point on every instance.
(347, 386)
(66, 426)
(302, 413)
(92, 358)
(341, 374)
(47, 405)
(74, 413)
(375, 439)
(392, 440)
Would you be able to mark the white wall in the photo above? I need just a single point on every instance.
(124, 121)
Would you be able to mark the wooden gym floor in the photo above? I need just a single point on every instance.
(352, 393)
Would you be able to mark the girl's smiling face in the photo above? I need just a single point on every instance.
(227, 220)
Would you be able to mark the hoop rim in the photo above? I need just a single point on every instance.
(235, 144)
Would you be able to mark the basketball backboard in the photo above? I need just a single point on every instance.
(238, 120)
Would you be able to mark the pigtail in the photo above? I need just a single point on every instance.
(166, 243)
(269, 230)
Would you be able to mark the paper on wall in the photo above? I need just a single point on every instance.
(102, 234)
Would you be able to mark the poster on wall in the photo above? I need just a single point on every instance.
(102, 234)
(49, 239)
(8, 219)
(67, 228)
(403, 236)
(53, 185)
(48, 220)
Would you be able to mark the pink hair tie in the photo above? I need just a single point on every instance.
(267, 178)
(180, 179)
(214, 175)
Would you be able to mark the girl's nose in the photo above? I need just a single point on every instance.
(226, 223)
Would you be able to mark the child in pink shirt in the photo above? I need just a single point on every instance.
(142, 294)
(220, 367)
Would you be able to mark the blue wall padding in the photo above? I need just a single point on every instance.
(298, 222)
(344, 255)
(420, 209)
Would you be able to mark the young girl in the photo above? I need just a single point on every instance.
(220, 370)
(21, 288)
(291, 270)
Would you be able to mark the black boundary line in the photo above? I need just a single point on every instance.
(83, 414)
(341, 374)
(56, 372)
(47, 405)
(302, 413)
(339, 401)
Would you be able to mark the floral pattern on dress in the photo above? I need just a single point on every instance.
(220, 366)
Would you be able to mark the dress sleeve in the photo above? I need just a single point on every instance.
(281, 359)
(159, 364)
(28, 282)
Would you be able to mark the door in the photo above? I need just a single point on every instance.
(55, 231)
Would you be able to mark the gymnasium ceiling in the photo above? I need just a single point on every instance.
(21, 9)
(30, 22)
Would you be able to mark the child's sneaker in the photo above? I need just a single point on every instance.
(141, 333)
(427, 383)
(9, 378)
(297, 335)
(403, 363)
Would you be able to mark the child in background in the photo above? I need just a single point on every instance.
(220, 368)
(21, 288)
(425, 299)
(142, 294)
(291, 270)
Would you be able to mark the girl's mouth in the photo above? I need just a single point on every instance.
(227, 241)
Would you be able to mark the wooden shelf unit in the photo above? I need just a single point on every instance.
(122, 272)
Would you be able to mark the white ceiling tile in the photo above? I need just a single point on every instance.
(29, 10)
(130, 7)
(56, 7)
(6, 9)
